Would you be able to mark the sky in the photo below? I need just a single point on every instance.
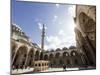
(58, 20)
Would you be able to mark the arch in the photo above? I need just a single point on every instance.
(51, 56)
(73, 53)
(90, 25)
(51, 59)
(30, 57)
(92, 12)
(57, 55)
(39, 64)
(46, 57)
(13, 47)
(87, 24)
(37, 55)
(65, 54)
(89, 56)
(20, 58)
(83, 18)
(41, 56)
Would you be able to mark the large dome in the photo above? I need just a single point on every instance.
(16, 27)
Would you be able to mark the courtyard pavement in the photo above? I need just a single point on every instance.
(19, 71)
(31, 70)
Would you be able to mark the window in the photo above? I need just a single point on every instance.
(39, 64)
(35, 64)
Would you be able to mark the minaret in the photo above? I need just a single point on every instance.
(43, 35)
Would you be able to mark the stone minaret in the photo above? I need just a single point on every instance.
(42, 37)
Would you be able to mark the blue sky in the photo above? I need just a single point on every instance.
(58, 19)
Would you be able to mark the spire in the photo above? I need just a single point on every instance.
(42, 37)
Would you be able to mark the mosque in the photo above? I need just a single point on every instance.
(27, 54)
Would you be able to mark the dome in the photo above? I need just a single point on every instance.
(16, 26)
(58, 49)
(72, 47)
(64, 48)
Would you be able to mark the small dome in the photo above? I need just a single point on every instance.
(58, 49)
(64, 48)
(72, 47)
(15, 25)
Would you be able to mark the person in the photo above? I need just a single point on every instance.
(64, 67)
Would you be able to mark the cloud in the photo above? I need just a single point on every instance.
(53, 39)
(46, 27)
(40, 25)
(71, 10)
(55, 18)
(60, 40)
(45, 46)
(61, 32)
(57, 5)
(60, 23)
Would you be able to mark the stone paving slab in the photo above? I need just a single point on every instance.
(22, 70)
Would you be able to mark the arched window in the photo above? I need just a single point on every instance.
(41, 56)
(51, 56)
(45, 57)
(37, 55)
(42, 64)
(39, 64)
(35, 64)
(74, 53)
(65, 54)
(83, 18)
(57, 55)
(30, 57)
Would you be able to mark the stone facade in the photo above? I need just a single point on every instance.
(69, 57)
(22, 49)
(86, 32)
(24, 53)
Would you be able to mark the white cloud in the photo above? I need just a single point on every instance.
(46, 27)
(57, 5)
(61, 32)
(71, 10)
(60, 40)
(38, 20)
(45, 46)
(60, 23)
(40, 25)
(53, 39)
(55, 18)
